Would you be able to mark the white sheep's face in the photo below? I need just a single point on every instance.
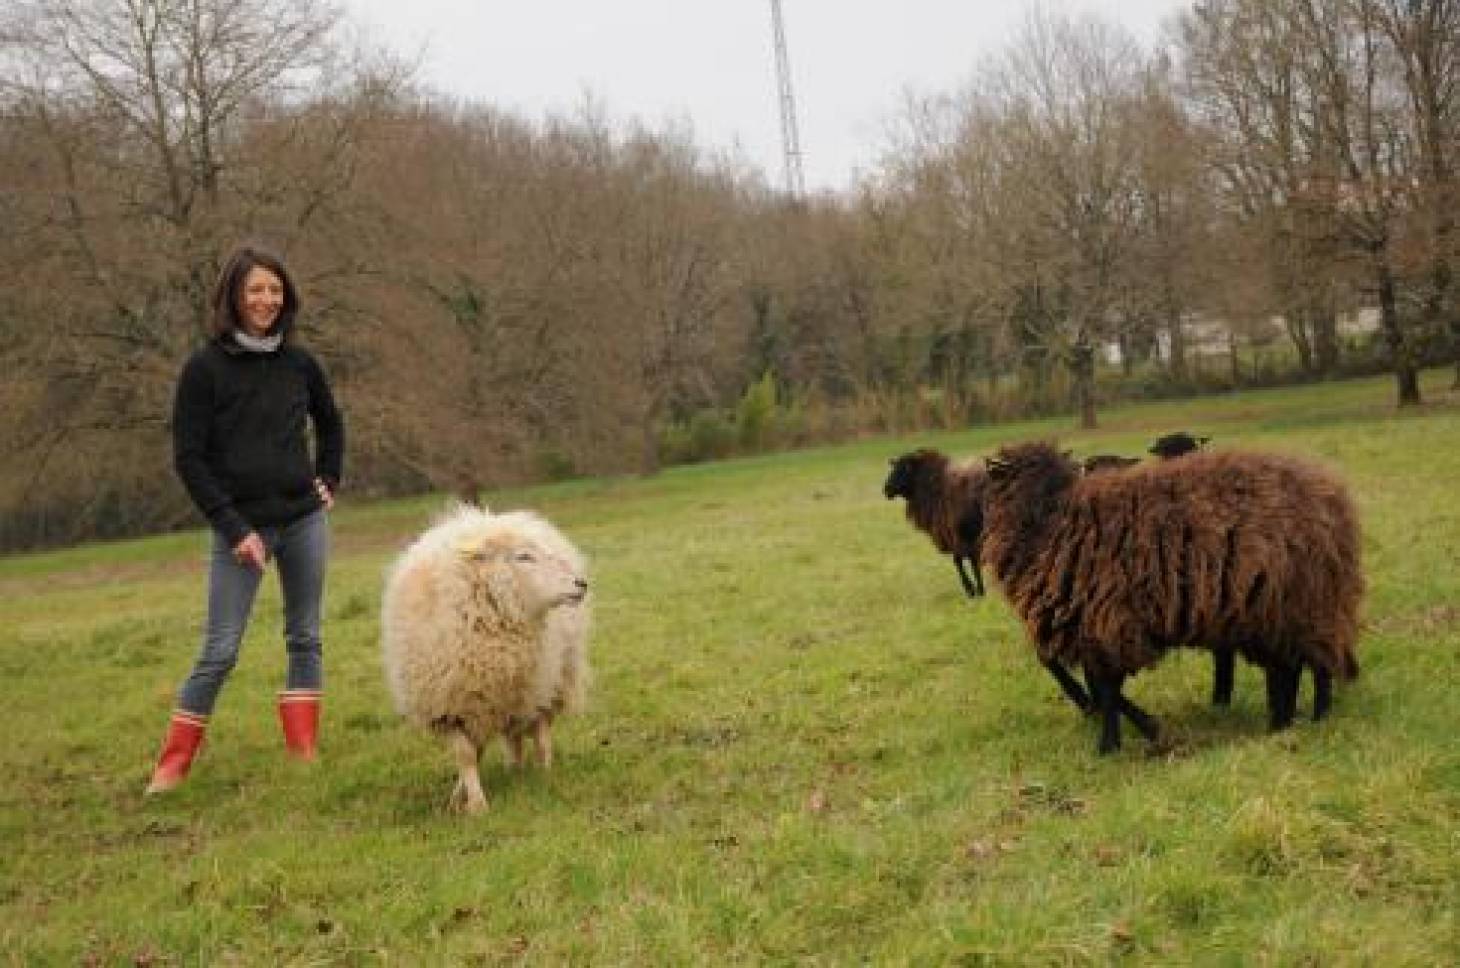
(525, 580)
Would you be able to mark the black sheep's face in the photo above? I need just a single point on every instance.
(900, 477)
(908, 470)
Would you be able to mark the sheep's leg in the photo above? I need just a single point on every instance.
(1224, 663)
(1282, 694)
(469, 782)
(1140, 719)
(1072, 689)
(1322, 692)
(1107, 696)
(513, 740)
(963, 578)
(542, 740)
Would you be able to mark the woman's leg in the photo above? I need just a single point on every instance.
(302, 551)
(231, 591)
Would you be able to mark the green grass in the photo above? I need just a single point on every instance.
(804, 745)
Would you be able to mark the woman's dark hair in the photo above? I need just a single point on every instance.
(230, 287)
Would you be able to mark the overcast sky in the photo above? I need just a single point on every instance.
(711, 62)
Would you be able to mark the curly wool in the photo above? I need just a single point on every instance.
(1258, 553)
(461, 652)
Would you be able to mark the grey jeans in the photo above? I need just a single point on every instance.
(299, 551)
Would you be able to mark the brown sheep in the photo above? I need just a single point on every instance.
(944, 501)
(1243, 552)
(1169, 447)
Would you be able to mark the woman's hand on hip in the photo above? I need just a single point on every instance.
(326, 496)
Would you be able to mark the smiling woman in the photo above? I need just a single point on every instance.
(245, 406)
(262, 298)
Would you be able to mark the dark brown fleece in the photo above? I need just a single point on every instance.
(1229, 550)
(940, 495)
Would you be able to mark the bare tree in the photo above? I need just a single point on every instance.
(1171, 261)
(1362, 117)
(161, 133)
(1250, 86)
(1064, 92)
(1425, 36)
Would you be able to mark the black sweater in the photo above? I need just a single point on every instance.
(240, 433)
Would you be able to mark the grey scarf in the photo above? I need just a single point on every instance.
(258, 344)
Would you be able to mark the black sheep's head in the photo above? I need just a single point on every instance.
(1174, 445)
(910, 471)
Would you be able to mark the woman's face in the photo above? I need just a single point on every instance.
(261, 300)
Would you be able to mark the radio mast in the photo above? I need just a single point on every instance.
(790, 138)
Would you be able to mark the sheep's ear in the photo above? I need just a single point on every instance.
(469, 550)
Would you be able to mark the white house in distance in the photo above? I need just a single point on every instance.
(1207, 337)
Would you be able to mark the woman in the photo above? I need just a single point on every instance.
(241, 422)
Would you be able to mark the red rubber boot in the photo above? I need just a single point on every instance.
(299, 715)
(184, 738)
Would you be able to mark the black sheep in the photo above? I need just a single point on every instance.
(944, 501)
(1177, 444)
(1237, 552)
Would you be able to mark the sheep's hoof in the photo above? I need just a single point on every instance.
(463, 800)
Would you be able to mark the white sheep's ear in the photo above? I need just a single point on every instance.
(472, 549)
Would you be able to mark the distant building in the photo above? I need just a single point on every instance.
(1207, 336)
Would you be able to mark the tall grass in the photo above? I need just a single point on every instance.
(805, 745)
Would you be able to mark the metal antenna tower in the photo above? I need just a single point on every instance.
(790, 139)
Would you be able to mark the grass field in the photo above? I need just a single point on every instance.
(804, 746)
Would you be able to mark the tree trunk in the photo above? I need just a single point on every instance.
(1455, 346)
(1325, 339)
(1082, 368)
(649, 456)
(468, 489)
(1295, 321)
(1406, 373)
(1441, 308)
(1176, 332)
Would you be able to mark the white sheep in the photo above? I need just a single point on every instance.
(484, 632)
